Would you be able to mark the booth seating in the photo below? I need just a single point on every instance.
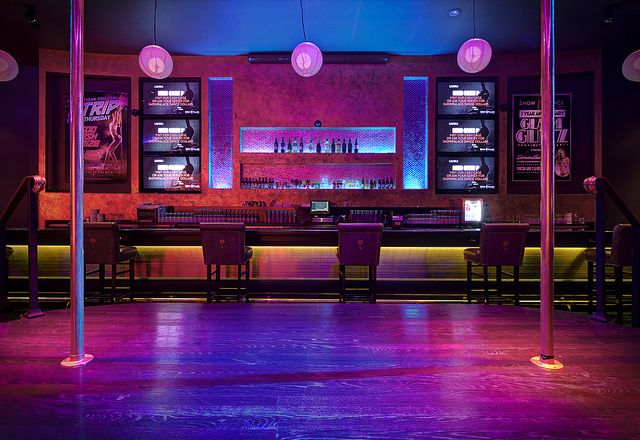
(501, 244)
(102, 247)
(618, 256)
(224, 244)
(359, 245)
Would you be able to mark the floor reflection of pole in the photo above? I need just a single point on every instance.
(547, 101)
(77, 356)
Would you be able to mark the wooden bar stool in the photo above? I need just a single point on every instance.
(359, 245)
(501, 244)
(224, 244)
(102, 247)
(618, 256)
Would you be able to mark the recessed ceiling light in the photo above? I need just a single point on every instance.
(454, 12)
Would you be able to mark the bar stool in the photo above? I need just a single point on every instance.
(224, 244)
(501, 244)
(618, 256)
(359, 245)
(102, 247)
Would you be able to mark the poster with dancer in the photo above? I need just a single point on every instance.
(526, 138)
(105, 140)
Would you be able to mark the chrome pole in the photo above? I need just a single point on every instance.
(77, 355)
(547, 102)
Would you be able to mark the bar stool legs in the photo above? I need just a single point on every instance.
(215, 293)
(499, 284)
(372, 283)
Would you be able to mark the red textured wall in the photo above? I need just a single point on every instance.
(339, 95)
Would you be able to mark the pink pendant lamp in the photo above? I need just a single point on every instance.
(8, 66)
(154, 60)
(475, 54)
(306, 58)
(631, 66)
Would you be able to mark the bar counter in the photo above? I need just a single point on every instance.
(300, 262)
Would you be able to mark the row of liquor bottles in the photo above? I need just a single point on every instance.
(333, 147)
(324, 183)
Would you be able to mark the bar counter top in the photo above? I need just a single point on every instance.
(306, 236)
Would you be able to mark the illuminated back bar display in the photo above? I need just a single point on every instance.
(415, 163)
(318, 157)
(466, 141)
(220, 133)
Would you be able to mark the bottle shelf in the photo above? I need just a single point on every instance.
(318, 176)
(318, 140)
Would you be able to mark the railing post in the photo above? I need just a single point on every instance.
(600, 313)
(635, 277)
(4, 268)
(32, 200)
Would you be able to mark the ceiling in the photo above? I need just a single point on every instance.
(234, 27)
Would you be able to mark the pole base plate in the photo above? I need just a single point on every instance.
(72, 361)
(549, 364)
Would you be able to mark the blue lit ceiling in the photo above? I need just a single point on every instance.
(233, 27)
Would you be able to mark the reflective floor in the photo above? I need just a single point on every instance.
(317, 371)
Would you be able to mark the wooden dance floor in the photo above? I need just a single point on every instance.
(317, 371)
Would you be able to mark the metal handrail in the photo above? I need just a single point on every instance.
(30, 185)
(600, 186)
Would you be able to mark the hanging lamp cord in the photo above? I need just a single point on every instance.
(304, 32)
(474, 18)
(155, 15)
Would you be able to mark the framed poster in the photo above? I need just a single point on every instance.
(526, 137)
(106, 134)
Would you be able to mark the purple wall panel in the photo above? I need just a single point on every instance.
(220, 133)
(415, 163)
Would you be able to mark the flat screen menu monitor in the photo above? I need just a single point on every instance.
(472, 210)
(466, 136)
(171, 174)
(460, 175)
(174, 136)
(466, 98)
(319, 207)
(171, 98)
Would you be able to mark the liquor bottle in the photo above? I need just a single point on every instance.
(275, 146)
(289, 147)
(318, 147)
(326, 145)
(295, 146)
(333, 145)
(344, 146)
(310, 148)
(391, 183)
(355, 150)
(282, 145)
(301, 149)
(350, 147)
(363, 184)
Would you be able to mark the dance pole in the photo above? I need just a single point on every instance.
(77, 356)
(547, 100)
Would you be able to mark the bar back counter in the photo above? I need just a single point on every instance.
(294, 256)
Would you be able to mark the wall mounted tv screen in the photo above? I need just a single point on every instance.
(171, 98)
(466, 175)
(177, 136)
(466, 98)
(466, 136)
(171, 174)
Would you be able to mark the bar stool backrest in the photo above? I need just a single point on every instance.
(359, 244)
(502, 244)
(223, 243)
(101, 243)
(621, 245)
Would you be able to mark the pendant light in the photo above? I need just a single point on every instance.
(474, 54)
(306, 58)
(631, 66)
(154, 60)
(8, 66)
